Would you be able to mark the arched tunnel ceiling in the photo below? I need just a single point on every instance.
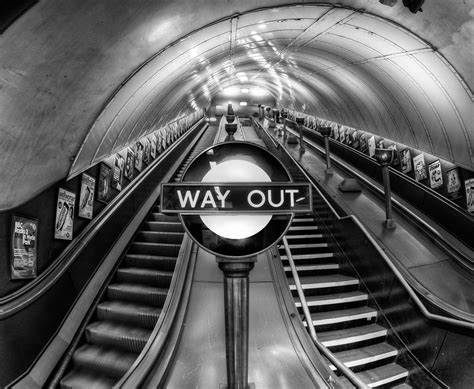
(81, 81)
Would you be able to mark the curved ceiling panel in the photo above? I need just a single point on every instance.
(97, 76)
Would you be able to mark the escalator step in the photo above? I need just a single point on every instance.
(343, 316)
(159, 217)
(150, 261)
(333, 298)
(159, 237)
(122, 336)
(382, 375)
(155, 248)
(297, 257)
(327, 281)
(163, 226)
(303, 236)
(366, 355)
(137, 293)
(316, 267)
(143, 315)
(158, 278)
(79, 379)
(351, 335)
(103, 360)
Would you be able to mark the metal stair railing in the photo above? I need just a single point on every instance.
(348, 373)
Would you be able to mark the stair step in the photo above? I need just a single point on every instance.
(137, 293)
(351, 335)
(141, 275)
(364, 355)
(334, 298)
(76, 379)
(122, 336)
(380, 376)
(112, 362)
(327, 281)
(157, 216)
(130, 313)
(402, 386)
(150, 261)
(297, 257)
(343, 315)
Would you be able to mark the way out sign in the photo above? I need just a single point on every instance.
(236, 199)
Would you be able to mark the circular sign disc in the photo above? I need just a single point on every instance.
(236, 235)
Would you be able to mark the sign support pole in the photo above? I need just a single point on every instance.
(236, 303)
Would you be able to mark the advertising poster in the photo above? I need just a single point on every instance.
(396, 158)
(342, 134)
(146, 150)
(23, 262)
(453, 183)
(381, 144)
(435, 174)
(138, 156)
(129, 164)
(117, 178)
(152, 139)
(64, 215)
(336, 133)
(420, 167)
(163, 138)
(405, 161)
(86, 197)
(469, 184)
(104, 183)
(356, 139)
(363, 143)
(371, 145)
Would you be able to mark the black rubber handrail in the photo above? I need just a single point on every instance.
(23, 297)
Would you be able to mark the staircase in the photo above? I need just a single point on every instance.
(344, 321)
(130, 306)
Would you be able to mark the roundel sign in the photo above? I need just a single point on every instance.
(236, 199)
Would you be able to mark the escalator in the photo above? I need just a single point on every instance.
(120, 325)
(130, 307)
(344, 320)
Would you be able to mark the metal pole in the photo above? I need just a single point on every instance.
(236, 303)
(389, 222)
(328, 156)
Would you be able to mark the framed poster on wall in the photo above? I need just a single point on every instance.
(129, 164)
(138, 156)
(405, 161)
(23, 258)
(469, 185)
(104, 183)
(435, 174)
(420, 167)
(453, 185)
(371, 145)
(64, 223)
(86, 197)
(117, 178)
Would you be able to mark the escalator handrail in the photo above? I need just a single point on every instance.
(348, 373)
(461, 257)
(23, 297)
(431, 316)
